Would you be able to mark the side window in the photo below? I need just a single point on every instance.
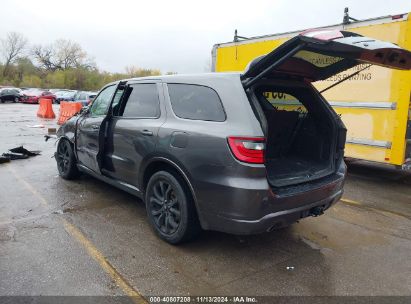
(196, 102)
(142, 101)
(101, 103)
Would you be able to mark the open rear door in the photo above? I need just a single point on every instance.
(318, 54)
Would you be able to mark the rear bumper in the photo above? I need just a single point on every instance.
(274, 220)
(253, 207)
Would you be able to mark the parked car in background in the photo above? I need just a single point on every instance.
(10, 94)
(65, 95)
(54, 91)
(33, 95)
(84, 97)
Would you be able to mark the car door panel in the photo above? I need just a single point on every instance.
(131, 144)
(88, 136)
(91, 131)
(131, 140)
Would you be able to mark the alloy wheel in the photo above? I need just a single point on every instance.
(165, 207)
(63, 156)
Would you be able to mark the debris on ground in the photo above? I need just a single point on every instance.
(13, 156)
(47, 137)
(4, 159)
(22, 150)
(290, 267)
(17, 153)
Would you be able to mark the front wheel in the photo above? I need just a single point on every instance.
(66, 161)
(170, 208)
(16, 99)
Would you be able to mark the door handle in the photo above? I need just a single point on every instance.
(95, 127)
(147, 133)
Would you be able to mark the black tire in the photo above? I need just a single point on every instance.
(170, 208)
(66, 161)
(1, 100)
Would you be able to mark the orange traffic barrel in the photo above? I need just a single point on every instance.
(68, 110)
(46, 108)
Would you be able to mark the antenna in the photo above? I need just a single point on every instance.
(347, 19)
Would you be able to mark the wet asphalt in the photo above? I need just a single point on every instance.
(362, 246)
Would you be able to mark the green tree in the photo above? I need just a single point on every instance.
(63, 64)
(24, 66)
(31, 81)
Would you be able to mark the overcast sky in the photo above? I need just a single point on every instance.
(172, 35)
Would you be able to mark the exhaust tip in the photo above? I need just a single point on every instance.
(276, 226)
(317, 211)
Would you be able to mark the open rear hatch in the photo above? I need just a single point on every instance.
(304, 137)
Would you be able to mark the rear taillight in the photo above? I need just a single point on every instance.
(248, 149)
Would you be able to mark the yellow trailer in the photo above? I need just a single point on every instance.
(374, 104)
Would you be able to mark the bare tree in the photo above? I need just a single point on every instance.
(12, 47)
(44, 57)
(61, 55)
(68, 54)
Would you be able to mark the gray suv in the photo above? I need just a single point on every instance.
(239, 153)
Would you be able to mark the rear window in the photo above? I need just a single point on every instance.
(196, 102)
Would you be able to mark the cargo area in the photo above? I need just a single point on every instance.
(300, 134)
(371, 105)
